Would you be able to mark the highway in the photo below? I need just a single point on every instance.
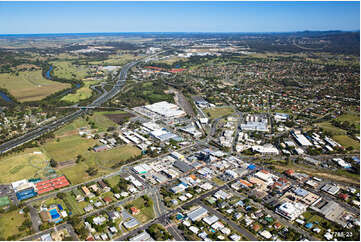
(106, 96)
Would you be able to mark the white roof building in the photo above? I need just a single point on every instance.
(291, 210)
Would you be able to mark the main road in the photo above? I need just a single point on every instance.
(13, 143)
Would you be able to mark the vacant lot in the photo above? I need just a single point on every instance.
(10, 223)
(81, 94)
(352, 118)
(101, 121)
(66, 70)
(102, 161)
(146, 213)
(73, 126)
(328, 127)
(117, 117)
(68, 147)
(30, 85)
(218, 112)
(115, 60)
(22, 165)
(346, 141)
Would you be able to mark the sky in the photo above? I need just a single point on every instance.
(88, 17)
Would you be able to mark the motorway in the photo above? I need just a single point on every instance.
(106, 96)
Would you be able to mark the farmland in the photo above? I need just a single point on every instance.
(30, 85)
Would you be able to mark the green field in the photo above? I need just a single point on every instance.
(30, 85)
(103, 161)
(115, 60)
(218, 112)
(346, 141)
(73, 126)
(146, 213)
(352, 118)
(23, 165)
(77, 208)
(81, 94)
(328, 127)
(113, 181)
(66, 70)
(101, 121)
(10, 223)
(68, 147)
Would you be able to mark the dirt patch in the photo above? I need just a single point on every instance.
(68, 133)
(116, 118)
(64, 164)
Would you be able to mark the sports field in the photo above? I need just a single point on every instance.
(23, 165)
(66, 70)
(30, 85)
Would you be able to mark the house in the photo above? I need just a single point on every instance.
(104, 186)
(94, 187)
(107, 200)
(210, 219)
(113, 230)
(85, 190)
(194, 229)
(134, 210)
(113, 215)
(235, 237)
(265, 234)
(225, 231)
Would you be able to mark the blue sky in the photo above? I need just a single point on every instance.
(85, 17)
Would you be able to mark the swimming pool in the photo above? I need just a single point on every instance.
(54, 214)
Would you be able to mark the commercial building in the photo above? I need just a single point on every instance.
(197, 214)
(165, 109)
(291, 210)
(144, 236)
(300, 138)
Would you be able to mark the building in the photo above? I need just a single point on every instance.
(166, 110)
(144, 236)
(300, 138)
(291, 210)
(197, 214)
(101, 148)
(331, 189)
(267, 149)
(182, 166)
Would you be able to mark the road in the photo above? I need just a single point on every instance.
(106, 96)
(59, 227)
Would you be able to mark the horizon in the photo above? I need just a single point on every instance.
(176, 17)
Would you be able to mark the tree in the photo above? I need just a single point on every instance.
(60, 195)
(53, 163)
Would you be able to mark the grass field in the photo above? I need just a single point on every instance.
(115, 60)
(101, 121)
(103, 161)
(66, 70)
(217, 112)
(68, 147)
(73, 126)
(146, 213)
(30, 85)
(352, 118)
(81, 94)
(77, 208)
(113, 181)
(346, 141)
(9, 224)
(328, 127)
(22, 165)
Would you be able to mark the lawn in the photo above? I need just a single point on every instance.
(77, 208)
(81, 94)
(9, 224)
(146, 213)
(24, 165)
(218, 112)
(346, 141)
(113, 181)
(66, 70)
(30, 85)
(101, 121)
(328, 127)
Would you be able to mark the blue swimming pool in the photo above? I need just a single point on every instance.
(60, 207)
(54, 214)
